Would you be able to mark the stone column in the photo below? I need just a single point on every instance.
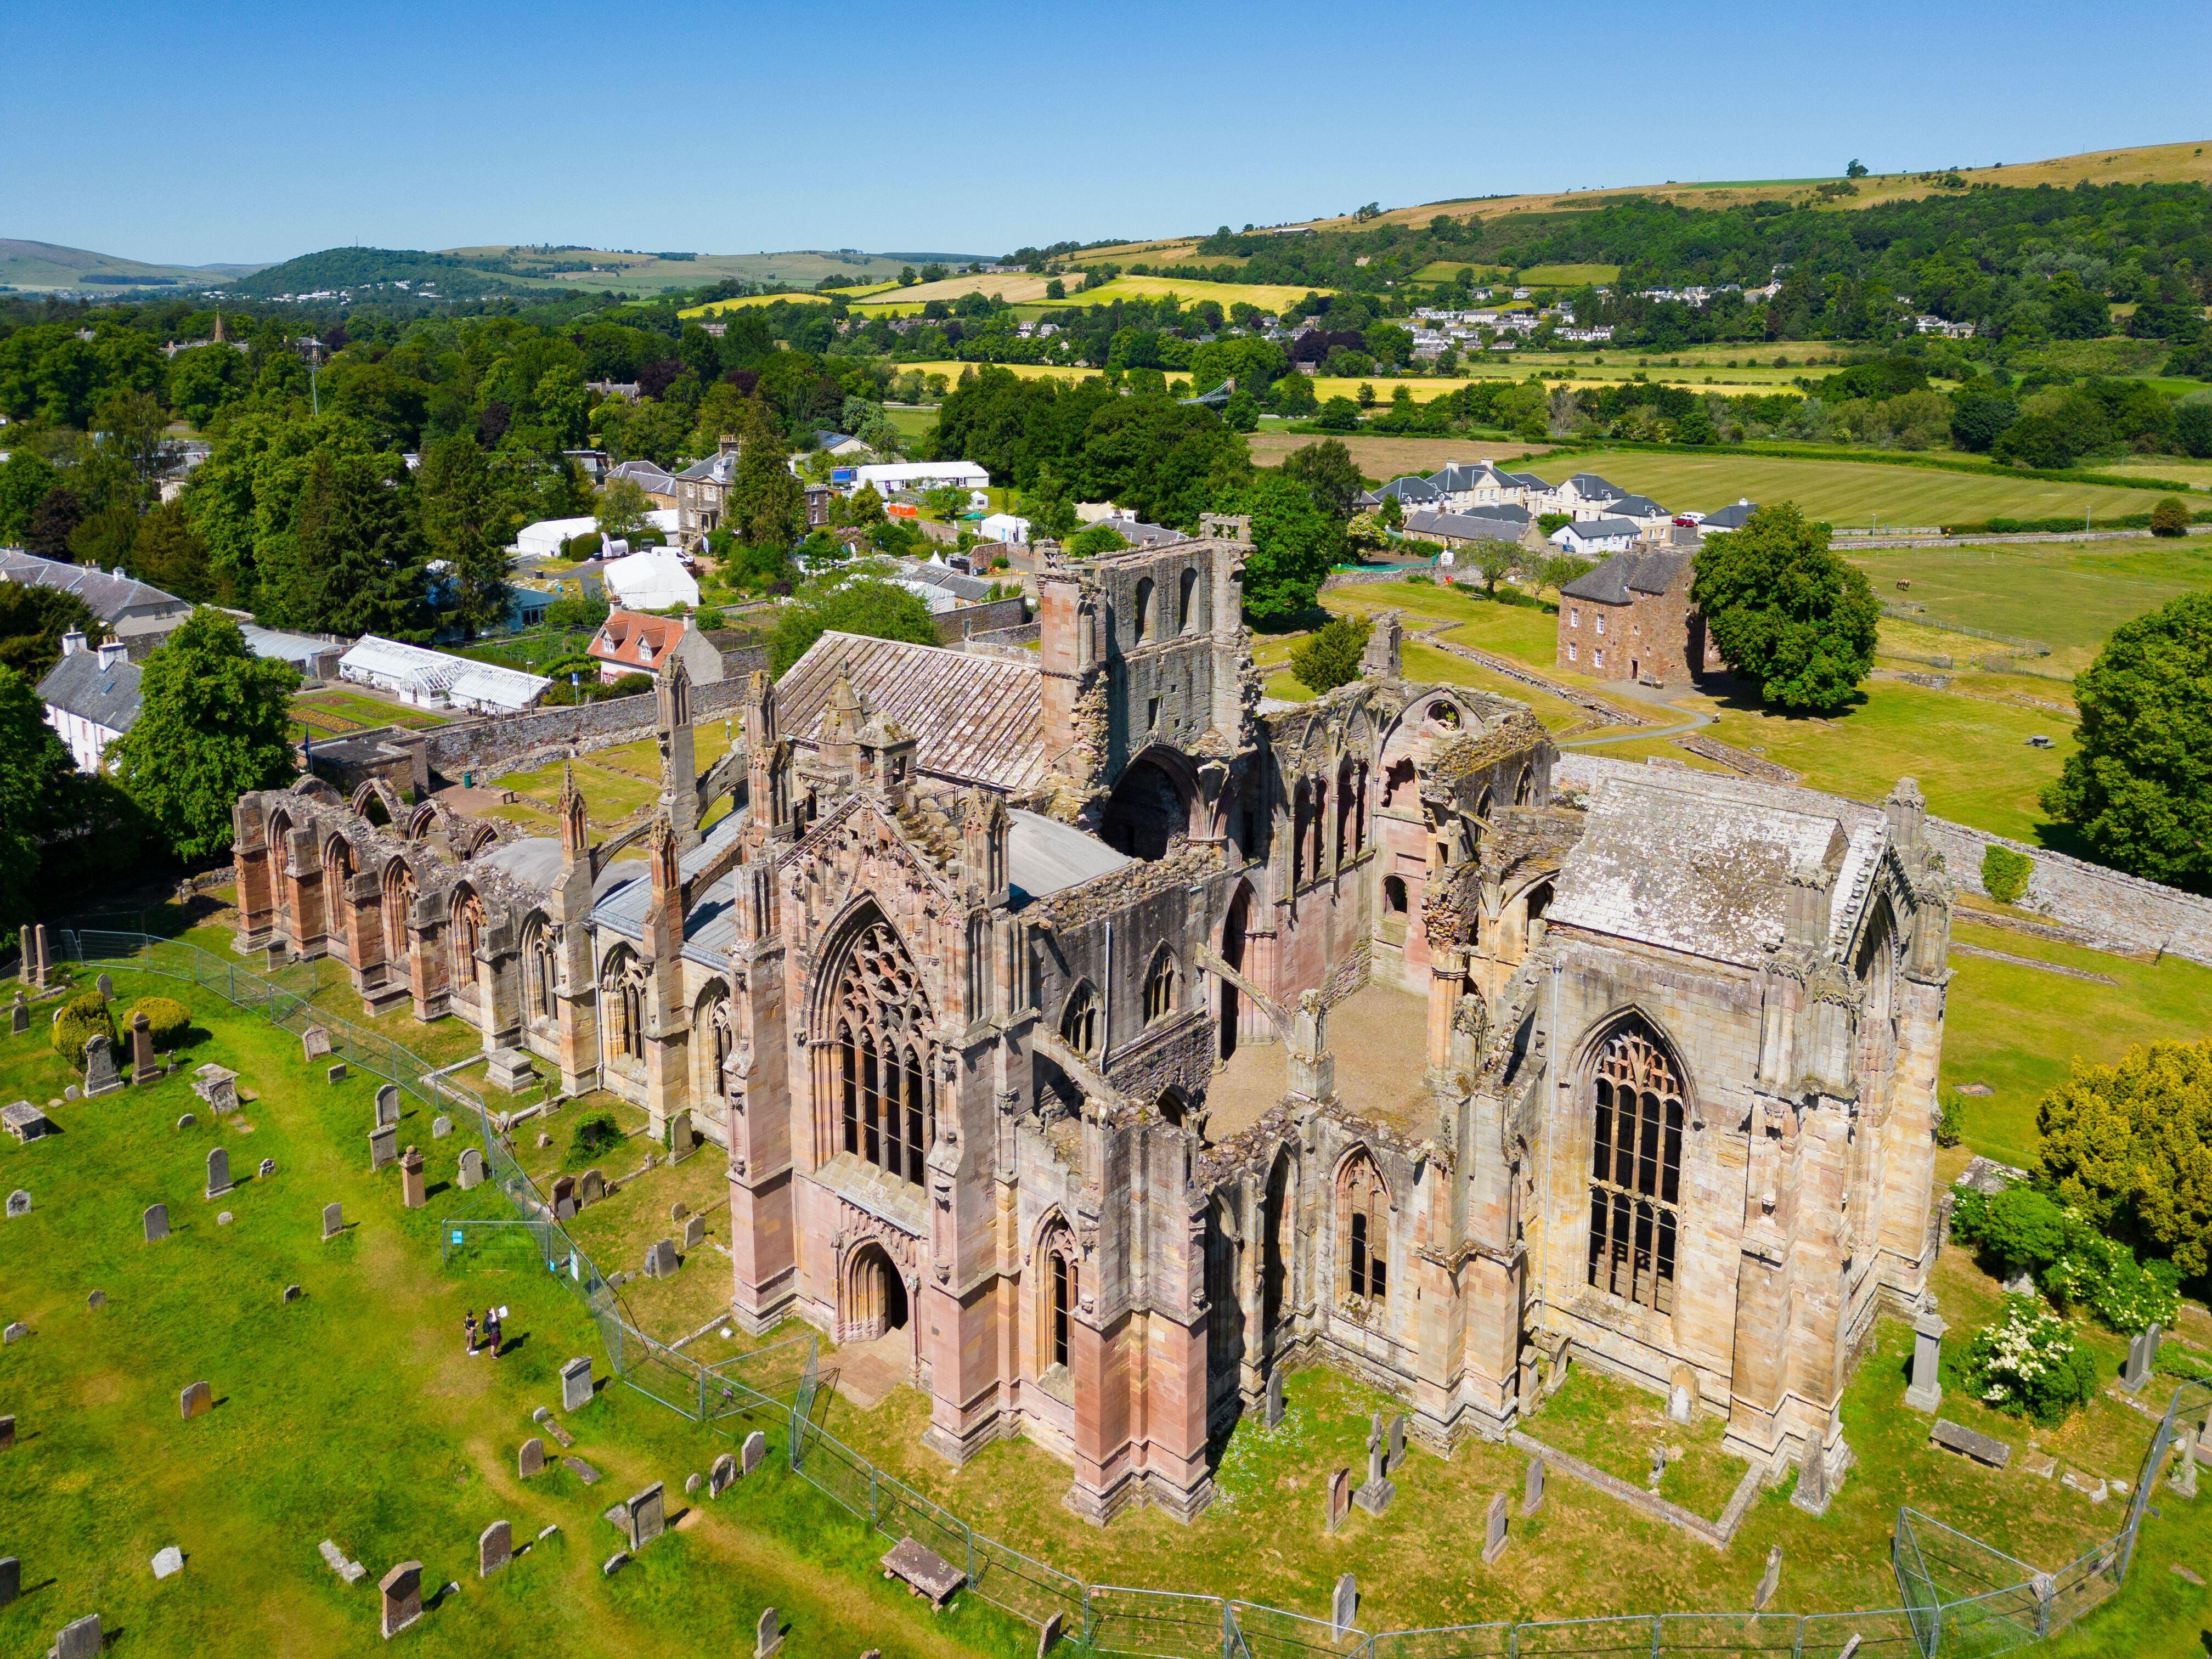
(249, 857)
(1926, 1393)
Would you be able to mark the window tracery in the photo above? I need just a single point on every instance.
(1636, 1170)
(887, 1089)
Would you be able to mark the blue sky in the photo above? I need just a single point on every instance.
(254, 131)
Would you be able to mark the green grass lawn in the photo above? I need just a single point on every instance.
(2068, 597)
(1851, 493)
(333, 712)
(353, 1414)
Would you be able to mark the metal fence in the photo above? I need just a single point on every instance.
(1962, 1598)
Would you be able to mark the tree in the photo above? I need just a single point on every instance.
(2168, 517)
(2130, 1146)
(1331, 658)
(1556, 571)
(1093, 539)
(1788, 614)
(767, 504)
(171, 556)
(2138, 787)
(578, 613)
(2192, 432)
(466, 524)
(32, 623)
(25, 478)
(1328, 469)
(213, 722)
(1055, 290)
(1294, 544)
(1493, 560)
(354, 562)
(1051, 513)
(131, 425)
(1855, 170)
(2039, 440)
(53, 521)
(880, 610)
(1338, 415)
(107, 539)
(35, 776)
(946, 500)
(621, 508)
(1242, 412)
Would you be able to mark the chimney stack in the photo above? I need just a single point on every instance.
(111, 652)
(72, 642)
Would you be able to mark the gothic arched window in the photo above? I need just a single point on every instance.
(1059, 1303)
(337, 880)
(398, 900)
(1186, 591)
(1078, 1022)
(1363, 1213)
(887, 1099)
(1636, 1170)
(541, 977)
(468, 934)
(1160, 987)
(622, 987)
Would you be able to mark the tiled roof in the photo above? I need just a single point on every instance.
(977, 719)
(1625, 574)
(107, 596)
(1731, 517)
(79, 685)
(618, 638)
(1505, 524)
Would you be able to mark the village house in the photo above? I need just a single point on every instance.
(91, 697)
(701, 489)
(1590, 537)
(139, 614)
(631, 642)
(1630, 618)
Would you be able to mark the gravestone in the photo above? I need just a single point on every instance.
(7, 1432)
(1048, 1635)
(187, 1121)
(97, 1299)
(19, 1203)
(681, 1140)
(576, 1385)
(38, 941)
(268, 1168)
(530, 1460)
(1493, 1544)
(79, 1639)
(614, 1563)
(383, 1147)
(1376, 1493)
(196, 1401)
(754, 1452)
(16, 1331)
(1397, 1444)
(1340, 1499)
(472, 1168)
(1679, 1403)
(661, 1260)
(333, 1220)
(721, 1475)
(1532, 1488)
(315, 1043)
(694, 1234)
(1926, 1393)
(19, 1018)
(336, 1074)
(387, 1105)
(412, 1193)
(218, 1086)
(2184, 1471)
(1812, 1493)
(1344, 1605)
(564, 1198)
(583, 1471)
(677, 1211)
(592, 1188)
(402, 1589)
(691, 1484)
(106, 986)
(1274, 1396)
(218, 1172)
(648, 1515)
(100, 1077)
(11, 1579)
(292, 1293)
(144, 1068)
(767, 1635)
(1658, 1468)
(2143, 1349)
(223, 1219)
(167, 1561)
(510, 1069)
(440, 1127)
(495, 1548)
(1769, 1582)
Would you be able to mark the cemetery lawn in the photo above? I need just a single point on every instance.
(353, 1414)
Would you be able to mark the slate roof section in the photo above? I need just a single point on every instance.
(973, 719)
(107, 596)
(1504, 524)
(1044, 856)
(1635, 506)
(1598, 530)
(1699, 862)
(1731, 517)
(1590, 487)
(1624, 576)
(1409, 490)
(78, 685)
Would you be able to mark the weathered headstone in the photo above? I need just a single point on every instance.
(19, 1203)
(1274, 1396)
(39, 942)
(472, 1169)
(218, 1086)
(530, 1460)
(1658, 1467)
(576, 1385)
(7, 1432)
(196, 1401)
(1769, 1582)
(187, 1121)
(1681, 1404)
(222, 1218)
(1344, 1605)
(218, 1172)
(383, 1147)
(1048, 1635)
(767, 1635)
(1397, 1444)
(1378, 1489)
(100, 1077)
(412, 1193)
(592, 1188)
(1493, 1537)
(1340, 1499)
(661, 1260)
(292, 1293)
(11, 1578)
(694, 1234)
(754, 1452)
(564, 1198)
(169, 1560)
(16, 1331)
(648, 1515)
(144, 1068)
(1532, 1488)
(268, 1168)
(97, 1300)
(336, 1074)
(495, 1548)
(692, 1482)
(402, 1589)
(510, 1069)
(722, 1474)
(2142, 1349)
(677, 1211)
(614, 1563)
(1812, 1493)
(387, 1105)
(583, 1471)
(2184, 1471)
(79, 1639)
(315, 1043)
(440, 1127)
(333, 1220)
(106, 986)
(681, 1140)
(1926, 1393)
(19, 1017)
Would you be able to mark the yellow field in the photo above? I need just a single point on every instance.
(1268, 297)
(1012, 286)
(952, 371)
(738, 304)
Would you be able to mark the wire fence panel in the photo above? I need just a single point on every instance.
(1587, 1636)
(1158, 1624)
(1450, 1642)
(1025, 1586)
(1726, 1635)
(1270, 1633)
(1884, 1635)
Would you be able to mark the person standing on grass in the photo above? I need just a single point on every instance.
(491, 1331)
(469, 1329)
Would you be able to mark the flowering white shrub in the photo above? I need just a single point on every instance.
(2028, 1364)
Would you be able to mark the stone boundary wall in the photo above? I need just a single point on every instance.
(1611, 713)
(991, 616)
(2112, 911)
(509, 743)
(1361, 578)
(1868, 543)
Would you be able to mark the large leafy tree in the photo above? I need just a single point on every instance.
(170, 554)
(767, 504)
(213, 723)
(1294, 544)
(1788, 614)
(25, 478)
(2138, 785)
(354, 563)
(36, 780)
(1326, 469)
(32, 623)
(2131, 1145)
(467, 524)
(880, 610)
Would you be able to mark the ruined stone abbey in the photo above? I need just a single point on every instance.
(1098, 1036)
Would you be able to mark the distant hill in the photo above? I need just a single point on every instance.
(361, 270)
(50, 268)
(469, 273)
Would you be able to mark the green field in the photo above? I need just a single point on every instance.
(332, 713)
(1854, 493)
